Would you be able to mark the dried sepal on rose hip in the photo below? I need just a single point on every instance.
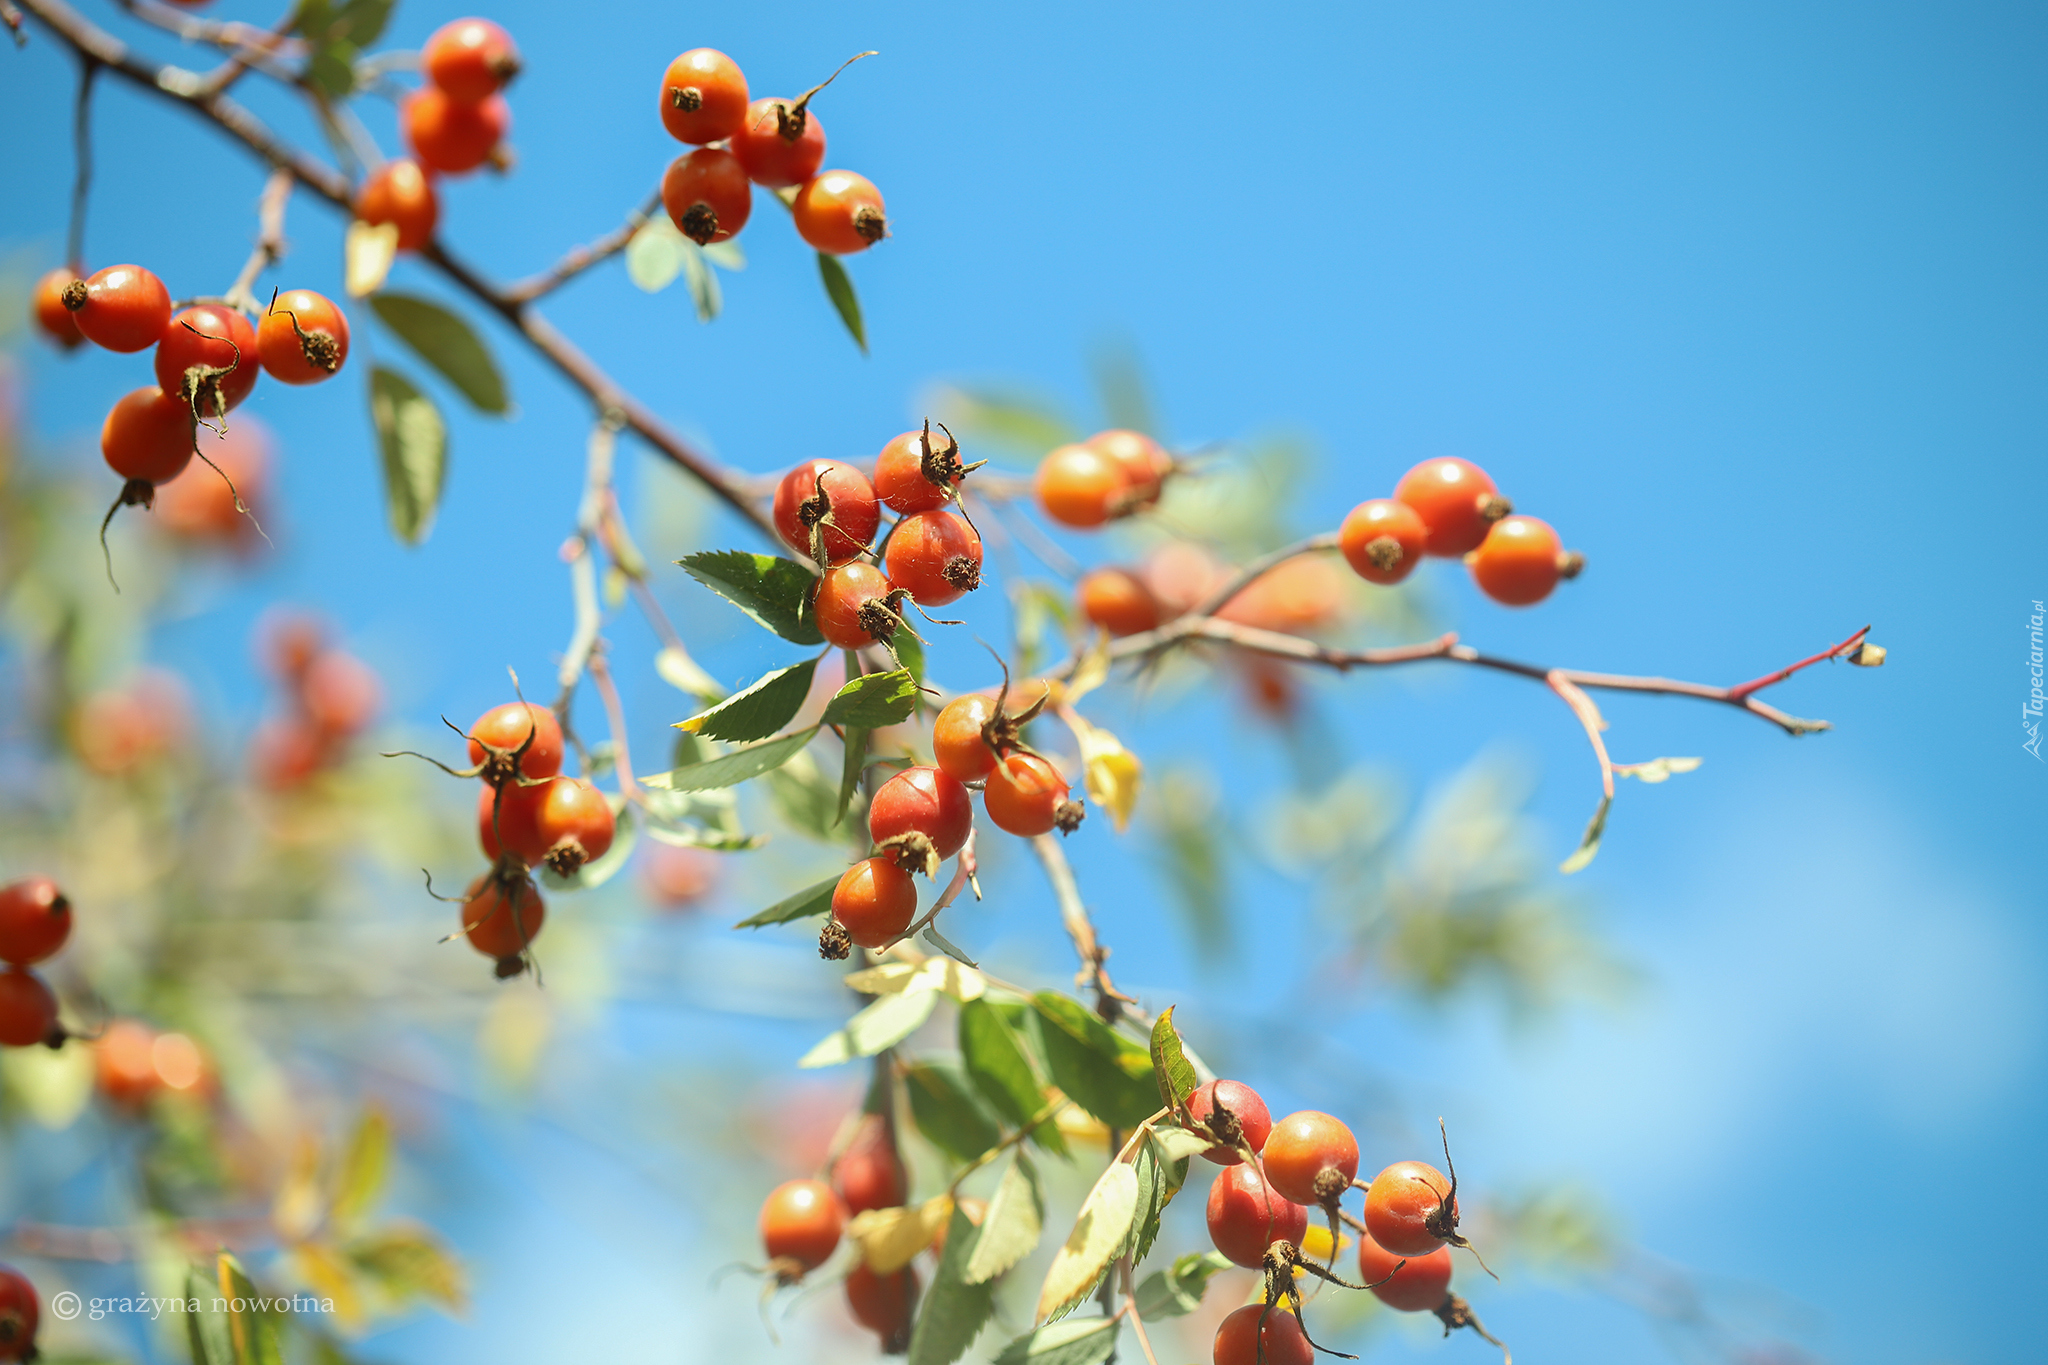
(919, 473)
(207, 359)
(780, 141)
(826, 509)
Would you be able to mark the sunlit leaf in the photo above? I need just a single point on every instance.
(1099, 1233)
(996, 1061)
(654, 256)
(885, 1023)
(1107, 1075)
(770, 703)
(251, 1335)
(1177, 1144)
(1657, 769)
(889, 1238)
(775, 592)
(681, 672)
(812, 900)
(731, 769)
(1112, 773)
(363, 1166)
(1170, 1069)
(874, 700)
(705, 295)
(1011, 1227)
(408, 1263)
(367, 251)
(1178, 1291)
(839, 288)
(1589, 843)
(1077, 1341)
(449, 344)
(414, 443)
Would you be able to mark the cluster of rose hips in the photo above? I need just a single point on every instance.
(330, 696)
(775, 143)
(802, 1222)
(35, 919)
(133, 1063)
(208, 356)
(528, 815)
(1110, 475)
(19, 1311)
(1450, 508)
(1259, 1212)
(120, 730)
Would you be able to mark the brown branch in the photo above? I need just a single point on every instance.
(191, 91)
(1108, 999)
(580, 258)
(81, 185)
(277, 192)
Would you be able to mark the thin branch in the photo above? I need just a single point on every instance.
(1137, 1322)
(1758, 684)
(581, 258)
(1108, 999)
(270, 246)
(1024, 1130)
(578, 551)
(81, 186)
(191, 91)
(11, 17)
(1260, 567)
(615, 716)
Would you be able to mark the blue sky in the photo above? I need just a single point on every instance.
(1748, 300)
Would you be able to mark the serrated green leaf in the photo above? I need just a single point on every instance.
(873, 701)
(947, 1113)
(446, 342)
(1011, 1227)
(812, 900)
(1170, 1068)
(1160, 1177)
(1105, 1074)
(775, 592)
(1589, 843)
(770, 703)
(1178, 1291)
(954, 1311)
(853, 762)
(885, 1023)
(364, 20)
(994, 1056)
(363, 1167)
(414, 443)
(1077, 1341)
(839, 288)
(1100, 1232)
(731, 769)
(910, 653)
(1178, 1144)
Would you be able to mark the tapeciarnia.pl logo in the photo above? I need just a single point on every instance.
(2030, 713)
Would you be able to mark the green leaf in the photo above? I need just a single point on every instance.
(812, 900)
(251, 1335)
(727, 255)
(873, 701)
(1589, 844)
(994, 1056)
(446, 342)
(1178, 1291)
(331, 70)
(885, 1023)
(363, 21)
(654, 256)
(414, 443)
(1099, 1234)
(705, 294)
(408, 1263)
(1011, 1227)
(759, 711)
(839, 288)
(1077, 1341)
(734, 768)
(947, 1112)
(363, 1167)
(853, 763)
(1178, 1144)
(775, 592)
(1160, 1177)
(946, 945)
(1170, 1068)
(1103, 1073)
(910, 653)
(954, 1311)
(805, 798)
(206, 1331)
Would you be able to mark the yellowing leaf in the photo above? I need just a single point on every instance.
(363, 1167)
(53, 1086)
(330, 1277)
(888, 1238)
(1099, 1232)
(1078, 1126)
(1315, 1243)
(1112, 773)
(1091, 673)
(889, 978)
(1657, 769)
(367, 253)
(299, 1204)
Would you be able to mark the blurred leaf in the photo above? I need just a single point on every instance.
(994, 1054)
(1121, 388)
(889, 1238)
(414, 442)
(1589, 843)
(1178, 1291)
(1040, 613)
(1112, 772)
(775, 592)
(705, 295)
(206, 1331)
(53, 1086)
(408, 1263)
(806, 798)
(910, 653)
(954, 1311)
(874, 700)
(770, 703)
(1011, 1227)
(812, 900)
(726, 255)
(731, 769)
(853, 763)
(1078, 1341)
(1187, 816)
(839, 288)
(947, 1113)
(367, 252)
(1657, 769)
(694, 836)
(363, 1167)
(1160, 1175)
(885, 1023)
(1099, 1234)
(1104, 1074)
(681, 672)
(251, 1334)
(329, 1276)
(1170, 1069)
(654, 256)
(446, 342)
(1025, 424)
